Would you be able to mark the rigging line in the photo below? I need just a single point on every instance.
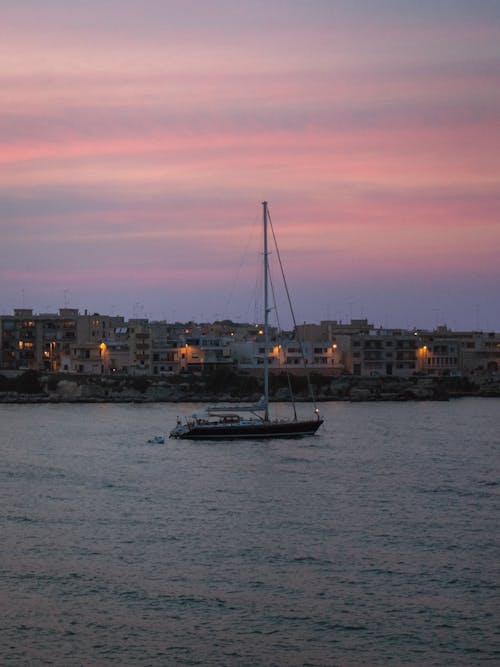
(243, 259)
(299, 340)
(256, 299)
(288, 377)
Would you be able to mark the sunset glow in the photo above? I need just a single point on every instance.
(137, 140)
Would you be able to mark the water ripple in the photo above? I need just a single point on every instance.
(376, 544)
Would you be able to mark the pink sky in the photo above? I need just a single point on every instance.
(137, 140)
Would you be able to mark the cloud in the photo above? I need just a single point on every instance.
(136, 141)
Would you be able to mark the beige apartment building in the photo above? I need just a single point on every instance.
(446, 352)
(37, 342)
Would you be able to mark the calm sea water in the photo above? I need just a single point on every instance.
(375, 542)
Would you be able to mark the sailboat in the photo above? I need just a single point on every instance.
(228, 423)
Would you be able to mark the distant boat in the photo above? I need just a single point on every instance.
(227, 423)
(156, 440)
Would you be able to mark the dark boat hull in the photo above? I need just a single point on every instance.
(293, 429)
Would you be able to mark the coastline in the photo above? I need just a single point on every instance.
(33, 387)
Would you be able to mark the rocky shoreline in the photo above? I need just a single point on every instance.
(233, 387)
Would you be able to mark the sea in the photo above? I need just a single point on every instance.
(375, 542)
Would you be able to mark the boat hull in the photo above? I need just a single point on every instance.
(281, 429)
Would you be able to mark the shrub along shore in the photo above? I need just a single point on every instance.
(230, 386)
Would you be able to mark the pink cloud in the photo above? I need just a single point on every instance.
(122, 150)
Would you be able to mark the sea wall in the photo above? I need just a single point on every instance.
(35, 387)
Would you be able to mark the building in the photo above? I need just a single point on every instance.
(446, 352)
(389, 352)
(37, 342)
(68, 341)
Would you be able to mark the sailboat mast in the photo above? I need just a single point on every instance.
(266, 314)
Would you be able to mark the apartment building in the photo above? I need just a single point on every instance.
(95, 342)
(391, 352)
(37, 342)
(446, 352)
